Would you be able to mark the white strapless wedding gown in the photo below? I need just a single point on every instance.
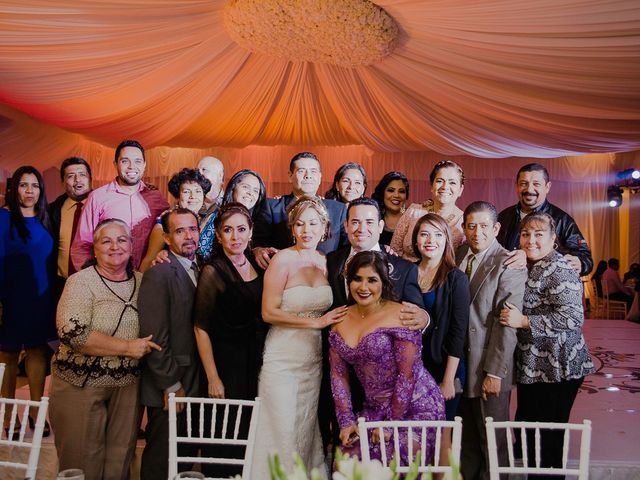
(289, 387)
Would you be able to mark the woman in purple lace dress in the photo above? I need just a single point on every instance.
(386, 358)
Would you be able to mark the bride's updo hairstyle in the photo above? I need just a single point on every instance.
(304, 202)
(378, 262)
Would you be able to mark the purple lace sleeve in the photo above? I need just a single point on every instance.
(407, 353)
(340, 388)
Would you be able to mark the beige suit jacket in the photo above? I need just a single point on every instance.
(490, 346)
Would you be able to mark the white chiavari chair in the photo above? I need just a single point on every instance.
(213, 421)
(416, 432)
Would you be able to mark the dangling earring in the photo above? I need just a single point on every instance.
(403, 209)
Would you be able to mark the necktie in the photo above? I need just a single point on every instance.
(196, 270)
(469, 268)
(74, 228)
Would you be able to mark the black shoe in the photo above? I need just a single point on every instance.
(46, 431)
(14, 435)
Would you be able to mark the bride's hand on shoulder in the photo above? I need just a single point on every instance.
(332, 317)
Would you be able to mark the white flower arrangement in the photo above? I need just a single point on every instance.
(346, 33)
(351, 468)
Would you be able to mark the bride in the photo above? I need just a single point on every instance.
(295, 298)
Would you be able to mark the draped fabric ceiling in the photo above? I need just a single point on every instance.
(468, 79)
(487, 78)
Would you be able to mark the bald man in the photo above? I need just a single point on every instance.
(213, 169)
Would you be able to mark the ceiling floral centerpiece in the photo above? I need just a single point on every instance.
(347, 33)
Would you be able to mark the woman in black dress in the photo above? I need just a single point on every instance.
(228, 323)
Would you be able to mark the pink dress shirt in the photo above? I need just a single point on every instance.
(139, 210)
(614, 283)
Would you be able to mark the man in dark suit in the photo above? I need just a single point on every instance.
(490, 346)
(271, 231)
(363, 226)
(75, 174)
(165, 305)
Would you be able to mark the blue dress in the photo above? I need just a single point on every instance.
(26, 287)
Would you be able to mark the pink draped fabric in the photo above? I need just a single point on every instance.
(497, 79)
(486, 78)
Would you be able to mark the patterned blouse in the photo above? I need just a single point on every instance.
(401, 241)
(552, 349)
(93, 303)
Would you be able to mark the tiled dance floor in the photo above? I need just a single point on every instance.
(610, 399)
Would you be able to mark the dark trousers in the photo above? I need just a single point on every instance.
(622, 297)
(224, 451)
(547, 402)
(155, 457)
(474, 459)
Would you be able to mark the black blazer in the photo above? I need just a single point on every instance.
(404, 276)
(450, 321)
(55, 215)
(165, 304)
(271, 229)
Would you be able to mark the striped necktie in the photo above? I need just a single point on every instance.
(470, 262)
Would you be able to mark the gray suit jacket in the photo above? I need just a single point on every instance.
(490, 346)
(165, 305)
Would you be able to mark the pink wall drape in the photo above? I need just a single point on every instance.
(483, 81)
(578, 183)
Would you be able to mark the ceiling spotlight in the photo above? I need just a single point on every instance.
(614, 196)
(627, 177)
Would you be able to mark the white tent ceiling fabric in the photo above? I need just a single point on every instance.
(484, 78)
(473, 80)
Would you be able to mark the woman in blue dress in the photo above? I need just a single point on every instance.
(27, 263)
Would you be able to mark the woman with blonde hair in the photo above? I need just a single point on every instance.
(295, 301)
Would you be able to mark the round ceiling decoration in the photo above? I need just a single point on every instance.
(346, 33)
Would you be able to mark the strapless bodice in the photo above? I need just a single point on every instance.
(307, 301)
(289, 348)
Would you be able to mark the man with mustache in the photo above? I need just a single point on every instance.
(533, 185)
(64, 211)
(272, 233)
(489, 356)
(127, 198)
(165, 304)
